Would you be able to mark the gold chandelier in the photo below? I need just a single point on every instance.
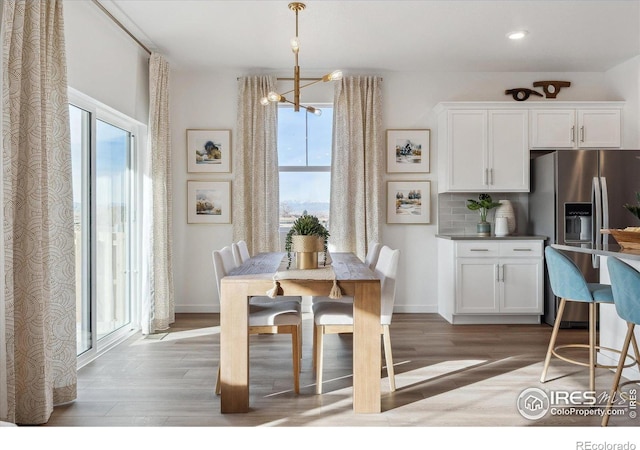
(295, 47)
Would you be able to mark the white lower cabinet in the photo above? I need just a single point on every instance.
(491, 281)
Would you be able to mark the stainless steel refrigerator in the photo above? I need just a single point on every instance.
(575, 194)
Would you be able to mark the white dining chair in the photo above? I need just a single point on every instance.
(241, 252)
(335, 317)
(370, 261)
(275, 317)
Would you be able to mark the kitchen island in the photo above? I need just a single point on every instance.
(612, 328)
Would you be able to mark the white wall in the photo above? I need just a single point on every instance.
(624, 81)
(209, 101)
(104, 63)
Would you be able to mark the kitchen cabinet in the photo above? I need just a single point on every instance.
(486, 150)
(491, 281)
(576, 128)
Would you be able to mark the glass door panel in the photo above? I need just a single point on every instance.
(112, 193)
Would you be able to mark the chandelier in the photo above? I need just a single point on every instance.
(295, 47)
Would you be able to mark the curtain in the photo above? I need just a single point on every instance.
(356, 165)
(158, 310)
(255, 164)
(39, 324)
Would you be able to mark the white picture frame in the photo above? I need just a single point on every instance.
(209, 151)
(408, 202)
(408, 151)
(209, 202)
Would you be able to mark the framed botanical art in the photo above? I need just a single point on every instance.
(408, 202)
(408, 151)
(208, 150)
(208, 202)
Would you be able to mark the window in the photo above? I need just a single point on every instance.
(103, 147)
(304, 157)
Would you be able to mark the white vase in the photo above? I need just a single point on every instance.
(506, 210)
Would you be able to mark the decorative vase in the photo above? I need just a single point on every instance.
(506, 210)
(483, 228)
(306, 249)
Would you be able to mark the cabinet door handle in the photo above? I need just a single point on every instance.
(521, 249)
(497, 270)
(491, 176)
(582, 134)
(479, 249)
(502, 266)
(486, 177)
(573, 134)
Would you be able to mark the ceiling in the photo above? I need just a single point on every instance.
(358, 35)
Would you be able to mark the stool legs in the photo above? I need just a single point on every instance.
(592, 347)
(552, 341)
(616, 379)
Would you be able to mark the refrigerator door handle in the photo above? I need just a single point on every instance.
(605, 205)
(597, 197)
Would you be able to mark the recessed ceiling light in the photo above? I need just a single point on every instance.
(515, 35)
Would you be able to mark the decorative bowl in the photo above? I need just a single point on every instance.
(628, 238)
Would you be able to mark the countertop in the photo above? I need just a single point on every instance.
(473, 237)
(607, 250)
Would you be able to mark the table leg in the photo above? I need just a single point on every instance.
(366, 348)
(234, 348)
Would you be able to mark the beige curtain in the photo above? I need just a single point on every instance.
(39, 328)
(158, 310)
(255, 164)
(357, 165)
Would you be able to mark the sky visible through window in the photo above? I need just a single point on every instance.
(304, 142)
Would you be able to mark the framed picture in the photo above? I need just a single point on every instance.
(208, 202)
(408, 151)
(408, 201)
(208, 150)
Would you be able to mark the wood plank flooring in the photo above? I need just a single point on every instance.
(447, 376)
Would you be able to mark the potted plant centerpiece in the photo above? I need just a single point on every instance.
(306, 238)
(483, 205)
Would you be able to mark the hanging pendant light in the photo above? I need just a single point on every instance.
(295, 48)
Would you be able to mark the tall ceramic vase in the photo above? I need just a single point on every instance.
(506, 210)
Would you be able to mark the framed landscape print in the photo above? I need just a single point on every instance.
(408, 151)
(208, 150)
(208, 202)
(408, 202)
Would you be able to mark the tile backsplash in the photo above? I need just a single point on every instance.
(455, 218)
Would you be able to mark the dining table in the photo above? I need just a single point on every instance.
(267, 272)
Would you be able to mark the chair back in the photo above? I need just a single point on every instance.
(372, 255)
(625, 285)
(386, 269)
(565, 277)
(240, 252)
(223, 263)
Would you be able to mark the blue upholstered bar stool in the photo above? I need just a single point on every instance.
(568, 283)
(625, 284)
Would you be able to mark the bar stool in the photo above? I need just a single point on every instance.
(568, 283)
(625, 284)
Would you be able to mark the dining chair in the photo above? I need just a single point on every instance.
(275, 317)
(568, 283)
(241, 252)
(370, 261)
(625, 284)
(336, 317)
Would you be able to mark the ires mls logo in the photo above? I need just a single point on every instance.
(533, 403)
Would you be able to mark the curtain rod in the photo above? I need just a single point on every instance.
(104, 10)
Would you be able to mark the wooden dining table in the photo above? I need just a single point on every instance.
(254, 278)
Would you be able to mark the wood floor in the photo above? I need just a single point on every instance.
(447, 376)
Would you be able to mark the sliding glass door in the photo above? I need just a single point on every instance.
(104, 188)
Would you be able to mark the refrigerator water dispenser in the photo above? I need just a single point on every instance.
(578, 219)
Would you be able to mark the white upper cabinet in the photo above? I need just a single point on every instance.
(484, 150)
(576, 128)
(484, 146)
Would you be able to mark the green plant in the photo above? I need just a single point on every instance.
(482, 205)
(634, 209)
(306, 225)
